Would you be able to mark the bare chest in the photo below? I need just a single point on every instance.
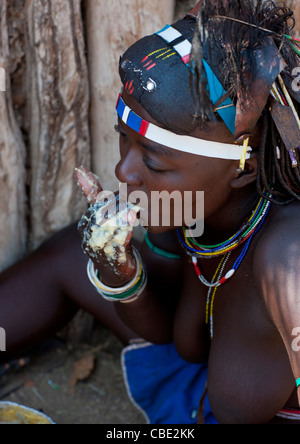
(248, 363)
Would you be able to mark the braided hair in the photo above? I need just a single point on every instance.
(234, 30)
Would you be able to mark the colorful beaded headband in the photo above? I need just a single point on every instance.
(186, 144)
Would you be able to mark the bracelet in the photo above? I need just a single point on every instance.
(126, 294)
(298, 382)
(95, 279)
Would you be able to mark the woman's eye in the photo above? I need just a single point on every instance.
(153, 167)
(148, 163)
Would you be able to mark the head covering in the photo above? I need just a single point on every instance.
(153, 72)
(224, 61)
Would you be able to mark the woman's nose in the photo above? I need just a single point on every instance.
(127, 170)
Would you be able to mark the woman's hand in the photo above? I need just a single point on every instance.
(106, 230)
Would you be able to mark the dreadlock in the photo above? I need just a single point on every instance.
(234, 30)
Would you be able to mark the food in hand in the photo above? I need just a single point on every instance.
(107, 227)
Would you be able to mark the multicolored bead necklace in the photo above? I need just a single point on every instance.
(248, 228)
(244, 236)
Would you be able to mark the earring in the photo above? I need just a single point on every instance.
(244, 154)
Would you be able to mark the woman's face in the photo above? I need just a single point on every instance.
(147, 167)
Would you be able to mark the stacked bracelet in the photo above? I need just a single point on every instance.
(126, 294)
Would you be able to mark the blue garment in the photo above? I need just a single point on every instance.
(163, 386)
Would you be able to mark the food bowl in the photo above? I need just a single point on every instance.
(12, 413)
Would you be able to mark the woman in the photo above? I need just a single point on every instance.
(252, 366)
(228, 299)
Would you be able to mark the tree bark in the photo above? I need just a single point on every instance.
(111, 28)
(58, 105)
(295, 6)
(13, 225)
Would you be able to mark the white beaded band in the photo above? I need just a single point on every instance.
(186, 144)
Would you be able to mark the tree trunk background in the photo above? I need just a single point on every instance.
(44, 121)
(61, 64)
(295, 6)
(12, 164)
(122, 23)
(57, 83)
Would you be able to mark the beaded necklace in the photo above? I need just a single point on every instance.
(248, 228)
(209, 317)
(244, 236)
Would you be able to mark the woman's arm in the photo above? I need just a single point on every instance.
(40, 295)
(33, 305)
(278, 277)
(151, 316)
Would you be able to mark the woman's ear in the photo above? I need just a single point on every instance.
(249, 175)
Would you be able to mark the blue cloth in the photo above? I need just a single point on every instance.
(166, 388)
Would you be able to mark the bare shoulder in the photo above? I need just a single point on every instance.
(276, 262)
(280, 241)
(277, 277)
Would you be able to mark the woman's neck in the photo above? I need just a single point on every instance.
(228, 220)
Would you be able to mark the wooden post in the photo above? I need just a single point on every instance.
(295, 5)
(13, 229)
(111, 28)
(58, 104)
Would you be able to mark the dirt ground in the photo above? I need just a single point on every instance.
(45, 384)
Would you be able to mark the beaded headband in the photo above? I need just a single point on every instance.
(186, 144)
(183, 47)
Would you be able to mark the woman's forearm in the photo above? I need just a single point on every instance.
(150, 317)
